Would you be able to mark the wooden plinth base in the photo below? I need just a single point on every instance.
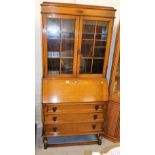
(74, 142)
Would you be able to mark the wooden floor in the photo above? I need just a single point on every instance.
(68, 150)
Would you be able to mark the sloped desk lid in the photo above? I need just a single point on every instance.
(74, 90)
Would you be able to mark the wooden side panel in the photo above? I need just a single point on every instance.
(113, 121)
(78, 90)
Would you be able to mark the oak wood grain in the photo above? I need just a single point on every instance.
(55, 91)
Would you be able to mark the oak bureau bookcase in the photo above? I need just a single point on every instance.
(76, 44)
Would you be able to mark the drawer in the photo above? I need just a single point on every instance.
(72, 128)
(73, 108)
(81, 117)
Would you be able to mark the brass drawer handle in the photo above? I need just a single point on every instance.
(54, 109)
(54, 129)
(95, 116)
(54, 118)
(96, 107)
(93, 126)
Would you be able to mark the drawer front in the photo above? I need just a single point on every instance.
(66, 118)
(73, 108)
(72, 128)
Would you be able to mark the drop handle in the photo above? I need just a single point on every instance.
(55, 129)
(96, 107)
(93, 126)
(54, 109)
(95, 116)
(54, 118)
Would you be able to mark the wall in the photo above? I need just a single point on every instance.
(38, 43)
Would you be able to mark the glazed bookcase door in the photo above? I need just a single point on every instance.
(116, 87)
(60, 34)
(94, 46)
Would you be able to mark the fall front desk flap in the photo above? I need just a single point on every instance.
(74, 90)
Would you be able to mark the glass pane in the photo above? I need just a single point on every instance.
(116, 88)
(97, 66)
(53, 45)
(53, 28)
(67, 65)
(68, 25)
(54, 54)
(87, 48)
(85, 66)
(99, 52)
(67, 53)
(88, 26)
(101, 36)
(100, 43)
(53, 66)
(102, 27)
(67, 35)
(67, 48)
(88, 36)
